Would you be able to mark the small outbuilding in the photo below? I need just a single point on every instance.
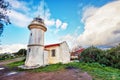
(58, 53)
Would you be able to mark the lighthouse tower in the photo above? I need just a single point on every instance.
(35, 50)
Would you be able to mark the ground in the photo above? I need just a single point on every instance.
(67, 74)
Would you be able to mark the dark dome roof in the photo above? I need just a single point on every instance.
(38, 19)
(37, 23)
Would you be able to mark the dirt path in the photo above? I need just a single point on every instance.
(68, 74)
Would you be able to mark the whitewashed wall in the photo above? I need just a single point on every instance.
(35, 52)
(62, 54)
(65, 53)
(46, 58)
(36, 36)
(56, 59)
(34, 56)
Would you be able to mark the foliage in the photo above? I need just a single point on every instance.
(20, 53)
(113, 57)
(50, 68)
(91, 54)
(97, 71)
(109, 57)
(4, 19)
(15, 64)
(6, 56)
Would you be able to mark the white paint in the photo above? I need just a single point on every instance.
(11, 73)
(62, 54)
(36, 37)
(46, 58)
(2, 68)
(56, 59)
(34, 56)
(65, 53)
(35, 52)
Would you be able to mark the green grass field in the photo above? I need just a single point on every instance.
(97, 71)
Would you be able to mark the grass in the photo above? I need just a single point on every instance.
(97, 71)
(15, 64)
(50, 68)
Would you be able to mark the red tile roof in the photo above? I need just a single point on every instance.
(80, 50)
(77, 52)
(51, 45)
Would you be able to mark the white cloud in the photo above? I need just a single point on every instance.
(22, 14)
(64, 26)
(19, 13)
(12, 48)
(102, 27)
(18, 5)
(71, 38)
(49, 22)
(19, 19)
(44, 13)
(58, 23)
(88, 12)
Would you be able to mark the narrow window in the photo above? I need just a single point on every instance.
(29, 49)
(53, 53)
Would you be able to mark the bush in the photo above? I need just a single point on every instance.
(6, 56)
(91, 54)
(21, 52)
(109, 57)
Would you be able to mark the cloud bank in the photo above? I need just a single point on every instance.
(102, 25)
(12, 48)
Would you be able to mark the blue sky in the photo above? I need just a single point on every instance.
(66, 20)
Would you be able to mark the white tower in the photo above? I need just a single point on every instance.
(35, 52)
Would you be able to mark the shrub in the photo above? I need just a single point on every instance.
(91, 54)
(109, 57)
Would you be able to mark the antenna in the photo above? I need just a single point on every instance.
(43, 9)
(38, 15)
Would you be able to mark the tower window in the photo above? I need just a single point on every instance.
(29, 50)
(53, 53)
(31, 34)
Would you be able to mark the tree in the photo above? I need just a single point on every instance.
(110, 57)
(4, 19)
(113, 56)
(21, 52)
(91, 54)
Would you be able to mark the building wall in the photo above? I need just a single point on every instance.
(46, 58)
(65, 53)
(34, 56)
(56, 58)
(62, 54)
(36, 37)
(35, 52)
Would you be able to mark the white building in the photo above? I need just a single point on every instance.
(58, 53)
(40, 55)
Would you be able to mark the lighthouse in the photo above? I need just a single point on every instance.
(35, 51)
